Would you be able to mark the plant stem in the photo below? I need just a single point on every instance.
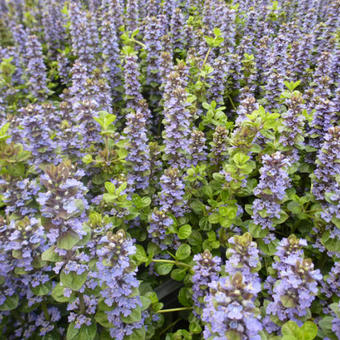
(169, 327)
(107, 147)
(231, 101)
(174, 309)
(138, 42)
(81, 303)
(206, 57)
(45, 311)
(204, 62)
(173, 262)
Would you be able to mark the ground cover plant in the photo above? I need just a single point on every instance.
(169, 169)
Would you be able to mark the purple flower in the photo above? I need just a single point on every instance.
(138, 149)
(117, 278)
(206, 270)
(172, 194)
(63, 203)
(229, 309)
(177, 122)
(132, 85)
(297, 281)
(36, 68)
(271, 190)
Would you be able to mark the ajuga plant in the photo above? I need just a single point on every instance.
(230, 311)
(36, 69)
(270, 191)
(297, 283)
(132, 85)
(169, 170)
(110, 51)
(177, 122)
(138, 149)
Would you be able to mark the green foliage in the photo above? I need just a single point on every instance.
(291, 331)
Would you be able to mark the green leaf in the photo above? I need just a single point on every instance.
(230, 211)
(101, 318)
(283, 217)
(178, 274)
(289, 337)
(268, 249)
(197, 206)
(68, 240)
(163, 268)
(73, 280)
(204, 223)
(140, 254)
(326, 324)
(195, 238)
(43, 289)
(87, 159)
(58, 294)
(184, 232)
(50, 255)
(257, 231)
(208, 191)
(195, 327)
(336, 221)
(331, 244)
(183, 252)
(290, 328)
(240, 159)
(146, 302)
(309, 330)
(10, 303)
(135, 316)
(146, 201)
(287, 301)
(217, 32)
(110, 187)
(184, 297)
(83, 333)
(214, 218)
(3, 131)
(137, 334)
(294, 207)
(51, 336)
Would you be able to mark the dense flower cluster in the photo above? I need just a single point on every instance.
(243, 256)
(139, 152)
(230, 311)
(326, 185)
(271, 189)
(172, 194)
(131, 82)
(156, 159)
(63, 203)
(177, 121)
(297, 283)
(36, 67)
(118, 282)
(206, 270)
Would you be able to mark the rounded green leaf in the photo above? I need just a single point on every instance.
(58, 294)
(135, 316)
(163, 268)
(73, 280)
(184, 232)
(178, 274)
(183, 252)
(10, 303)
(68, 240)
(83, 333)
(50, 255)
